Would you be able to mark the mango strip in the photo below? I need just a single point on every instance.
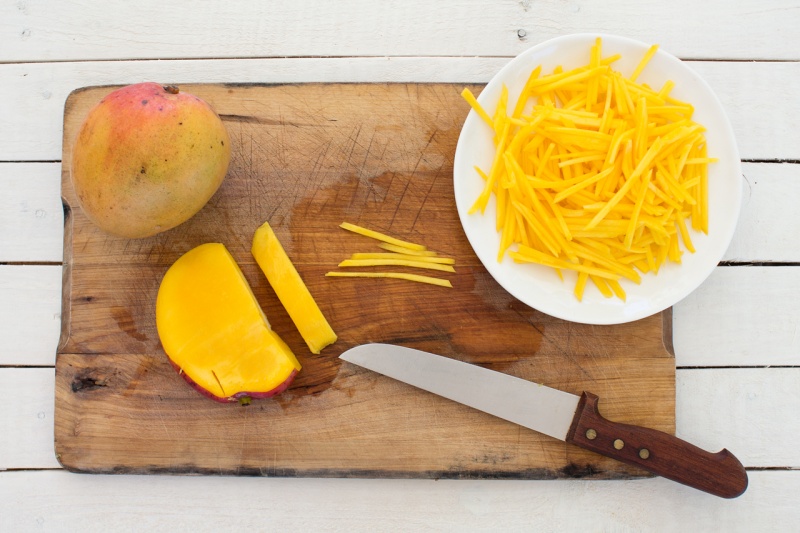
(394, 262)
(380, 236)
(643, 63)
(395, 275)
(405, 257)
(469, 97)
(406, 251)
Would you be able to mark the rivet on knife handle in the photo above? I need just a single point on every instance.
(720, 474)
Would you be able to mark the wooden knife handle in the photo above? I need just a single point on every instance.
(720, 474)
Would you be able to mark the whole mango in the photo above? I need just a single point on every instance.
(147, 158)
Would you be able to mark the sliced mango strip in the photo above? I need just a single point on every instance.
(469, 97)
(395, 262)
(395, 275)
(407, 251)
(405, 257)
(291, 290)
(380, 236)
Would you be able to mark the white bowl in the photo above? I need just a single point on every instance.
(539, 286)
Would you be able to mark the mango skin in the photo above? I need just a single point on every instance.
(147, 158)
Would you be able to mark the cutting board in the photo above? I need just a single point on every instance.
(306, 158)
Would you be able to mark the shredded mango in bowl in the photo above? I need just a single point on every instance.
(596, 173)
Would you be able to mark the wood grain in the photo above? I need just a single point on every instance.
(739, 295)
(31, 216)
(30, 304)
(364, 506)
(306, 158)
(714, 408)
(26, 427)
(249, 28)
(32, 106)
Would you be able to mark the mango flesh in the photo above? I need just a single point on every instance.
(291, 290)
(215, 332)
(147, 158)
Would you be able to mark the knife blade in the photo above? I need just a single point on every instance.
(558, 414)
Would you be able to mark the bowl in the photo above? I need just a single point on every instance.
(539, 286)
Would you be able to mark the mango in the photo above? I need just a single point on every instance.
(147, 158)
(215, 333)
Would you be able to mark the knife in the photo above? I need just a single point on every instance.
(558, 414)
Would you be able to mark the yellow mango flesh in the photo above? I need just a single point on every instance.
(291, 290)
(212, 327)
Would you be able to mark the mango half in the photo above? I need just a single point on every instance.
(214, 331)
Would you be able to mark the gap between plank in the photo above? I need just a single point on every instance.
(380, 56)
(757, 264)
(771, 468)
(773, 161)
(28, 366)
(755, 161)
(31, 263)
(735, 367)
(2, 470)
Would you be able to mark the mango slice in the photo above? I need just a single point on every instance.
(215, 332)
(291, 290)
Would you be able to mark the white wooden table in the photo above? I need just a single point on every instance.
(736, 338)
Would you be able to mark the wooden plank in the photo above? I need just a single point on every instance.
(129, 413)
(52, 499)
(715, 408)
(31, 217)
(338, 152)
(45, 32)
(740, 316)
(34, 94)
(769, 223)
(739, 409)
(720, 324)
(30, 314)
(33, 99)
(26, 427)
(750, 120)
(766, 230)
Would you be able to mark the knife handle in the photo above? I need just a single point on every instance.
(720, 474)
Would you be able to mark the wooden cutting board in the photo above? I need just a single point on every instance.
(306, 158)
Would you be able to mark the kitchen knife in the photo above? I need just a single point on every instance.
(559, 414)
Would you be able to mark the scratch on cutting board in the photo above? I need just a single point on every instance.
(427, 195)
(399, 202)
(244, 436)
(163, 423)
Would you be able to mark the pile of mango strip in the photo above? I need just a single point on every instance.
(595, 173)
(396, 253)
